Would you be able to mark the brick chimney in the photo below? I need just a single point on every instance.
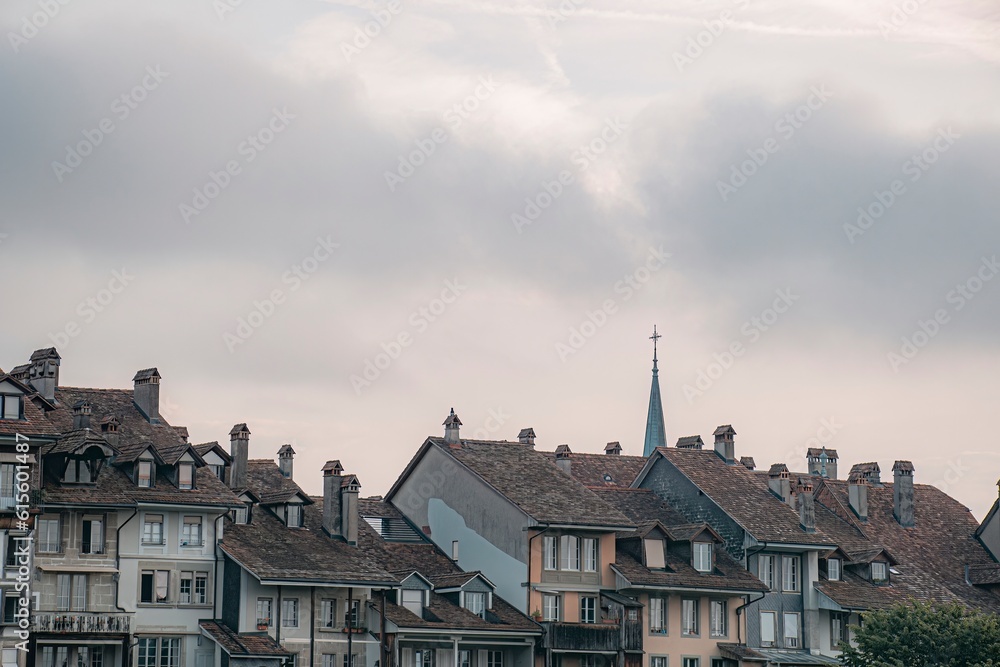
(779, 480)
(239, 448)
(807, 505)
(285, 456)
(822, 462)
(349, 491)
(451, 427)
(526, 436)
(43, 374)
(902, 493)
(332, 479)
(613, 449)
(146, 394)
(81, 414)
(725, 447)
(857, 493)
(690, 442)
(562, 459)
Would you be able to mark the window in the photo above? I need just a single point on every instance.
(7, 486)
(880, 572)
(494, 659)
(833, 569)
(289, 612)
(550, 607)
(93, 535)
(791, 630)
(264, 607)
(691, 662)
(658, 661)
(152, 529)
(424, 658)
(588, 609)
(354, 660)
(476, 603)
(765, 570)
(153, 586)
(790, 574)
(720, 618)
(768, 628)
(590, 561)
(48, 536)
(10, 406)
(657, 616)
(191, 532)
(240, 515)
(185, 475)
(414, 601)
(187, 587)
(654, 554)
(465, 658)
(838, 628)
(550, 557)
(145, 479)
(588, 660)
(71, 592)
(328, 613)
(159, 652)
(702, 556)
(219, 471)
(10, 608)
(329, 660)
(689, 617)
(194, 588)
(570, 547)
(294, 514)
(351, 610)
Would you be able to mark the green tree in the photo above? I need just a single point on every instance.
(919, 634)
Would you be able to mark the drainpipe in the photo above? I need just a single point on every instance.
(548, 651)
(215, 589)
(350, 634)
(383, 651)
(277, 616)
(118, 560)
(739, 611)
(312, 626)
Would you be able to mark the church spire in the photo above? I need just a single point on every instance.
(656, 434)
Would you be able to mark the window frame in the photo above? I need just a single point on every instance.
(289, 612)
(841, 618)
(475, 595)
(161, 532)
(773, 626)
(591, 554)
(569, 553)
(494, 658)
(686, 629)
(698, 553)
(149, 477)
(328, 613)
(655, 553)
(555, 602)
(660, 602)
(5, 413)
(885, 570)
(550, 553)
(767, 576)
(166, 652)
(270, 611)
(714, 631)
(87, 543)
(190, 468)
(830, 569)
(297, 523)
(785, 637)
(591, 613)
(44, 542)
(192, 521)
(791, 574)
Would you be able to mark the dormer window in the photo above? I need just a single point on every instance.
(185, 475)
(414, 601)
(293, 516)
(145, 474)
(476, 603)
(702, 556)
(77, 471)
(10, 406)
(655, 559)
(880, 572)
(219, 471)
(833, 569)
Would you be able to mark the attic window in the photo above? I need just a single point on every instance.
(655, 559)
(833, 569)
(476, 603)
(293, 516)
(880, 572)
(414, 601)
(185, 475)
(702, 556)
(145, 475)
(78, 471)
(10, 406)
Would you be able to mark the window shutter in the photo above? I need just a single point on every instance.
(445, 657)
(407, 657)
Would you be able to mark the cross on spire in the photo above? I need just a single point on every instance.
(656, 435)
(655, 337)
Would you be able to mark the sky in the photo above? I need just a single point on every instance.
(336, 221)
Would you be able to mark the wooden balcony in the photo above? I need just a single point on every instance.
(81, 623)
(597, 637)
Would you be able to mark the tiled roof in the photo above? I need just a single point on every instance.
(594, 469)
(740, 652)
(531, 480)
(246, 644)
(738, 492)
(34, 422)
(985, 575)
(816, 452)
(74, 440)
(265, 479)
(114, 487)
(206, 447)
(443, 614)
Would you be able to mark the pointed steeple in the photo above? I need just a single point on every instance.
(656, 434)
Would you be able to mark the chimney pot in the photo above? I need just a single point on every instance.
(690, 442)
(857, 493)
(350, 488)
(902, 494)
(748, 462)
(451, 429)
(562, 459)
(807, 506)
(822, 462)
(239, 446)
(332, 513)
(81, 415)
(526, 436)
(613, 449)
(725, 445)
(43, 374)
(285, 456)
(146, 394)
(780, 483)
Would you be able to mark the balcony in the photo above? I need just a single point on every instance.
(597, 637)
(81, 623)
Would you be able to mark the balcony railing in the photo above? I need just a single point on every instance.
(598, 637)
(76, 622)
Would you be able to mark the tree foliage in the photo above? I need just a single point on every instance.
(921, 634)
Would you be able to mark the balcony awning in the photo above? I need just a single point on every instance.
(62, 641)
(795, 658)
(621, 599)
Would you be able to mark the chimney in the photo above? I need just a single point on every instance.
(349, 488)
(526, 436)
(780, 482)
(869, 471)
(724, 445)
(822, 462)
(285, 456)
(239, 445)
(454, 550)
(146, 394)
(81, 415)
(902, 493)
(807, 505)
(43, 375)
(562, 459)
(613, 449)
(690, 442)
(331, 498)
(857, 493)
(748, 462)
(109, 429)
(451, 425)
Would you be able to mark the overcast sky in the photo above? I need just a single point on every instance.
(503, 198)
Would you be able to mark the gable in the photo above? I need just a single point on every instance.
(477, 584)
(8, 387)
(416, 582)
(212, 458)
